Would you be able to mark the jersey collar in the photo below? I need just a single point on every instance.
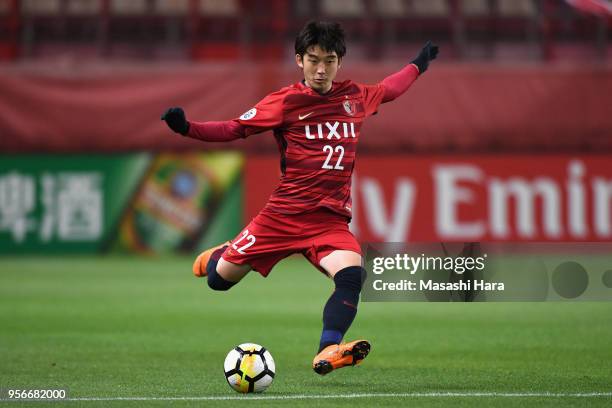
(305, 88)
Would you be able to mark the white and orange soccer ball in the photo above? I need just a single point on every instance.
(249, 367)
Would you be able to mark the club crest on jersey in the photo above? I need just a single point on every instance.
(349, 107)
(249, 114)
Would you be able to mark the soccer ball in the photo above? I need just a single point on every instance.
(249, 367)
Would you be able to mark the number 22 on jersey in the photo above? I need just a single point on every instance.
(339, 150)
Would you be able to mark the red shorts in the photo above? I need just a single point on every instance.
(271, 237)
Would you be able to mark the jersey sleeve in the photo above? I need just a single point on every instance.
(372, 97)
(267, 114)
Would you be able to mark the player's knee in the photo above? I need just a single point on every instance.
(351, 278)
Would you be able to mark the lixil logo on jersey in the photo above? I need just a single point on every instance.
(332, 130)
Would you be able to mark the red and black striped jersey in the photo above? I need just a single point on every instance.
(317, 137)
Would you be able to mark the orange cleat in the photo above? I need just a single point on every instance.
(199, 265)
(340, 355)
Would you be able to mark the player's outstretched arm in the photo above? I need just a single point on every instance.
(224, 131)
(398, 83)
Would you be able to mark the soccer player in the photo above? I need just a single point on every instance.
(316, 123)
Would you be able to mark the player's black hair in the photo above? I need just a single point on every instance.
(329, 36)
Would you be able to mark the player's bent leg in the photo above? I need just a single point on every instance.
(339, 313)
(232, 272)
(222, 275)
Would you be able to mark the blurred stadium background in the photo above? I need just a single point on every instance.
(517, 107)
(507, 138)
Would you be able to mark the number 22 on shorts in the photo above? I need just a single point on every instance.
(250, 241)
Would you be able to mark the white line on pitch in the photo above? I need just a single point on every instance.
(368, 395)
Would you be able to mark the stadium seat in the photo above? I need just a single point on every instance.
(518, 24)
(516, 8)
(474, 7)
(4, 7)
(300, 12)
(214, 31)
(266, 28)
(499, 29)
(403, 8)
(149, 28)
(82, 21)
(389, 8)
(67, 28)
(131, 32)
(84, 7)
(9, 30)
(487, 29)
(353, 15)
(505, 8)
(128, 7)
(40, 24)
(169, 22)
(343, 8)
(219, 8)
(40, 7)
(171, 8)
(402, 22)
(574, 36)
(430, 8)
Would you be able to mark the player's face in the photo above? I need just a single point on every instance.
(320, 68)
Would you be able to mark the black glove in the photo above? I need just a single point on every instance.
(175, 119)
(427, 54)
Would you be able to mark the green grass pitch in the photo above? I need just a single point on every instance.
(132, 327)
